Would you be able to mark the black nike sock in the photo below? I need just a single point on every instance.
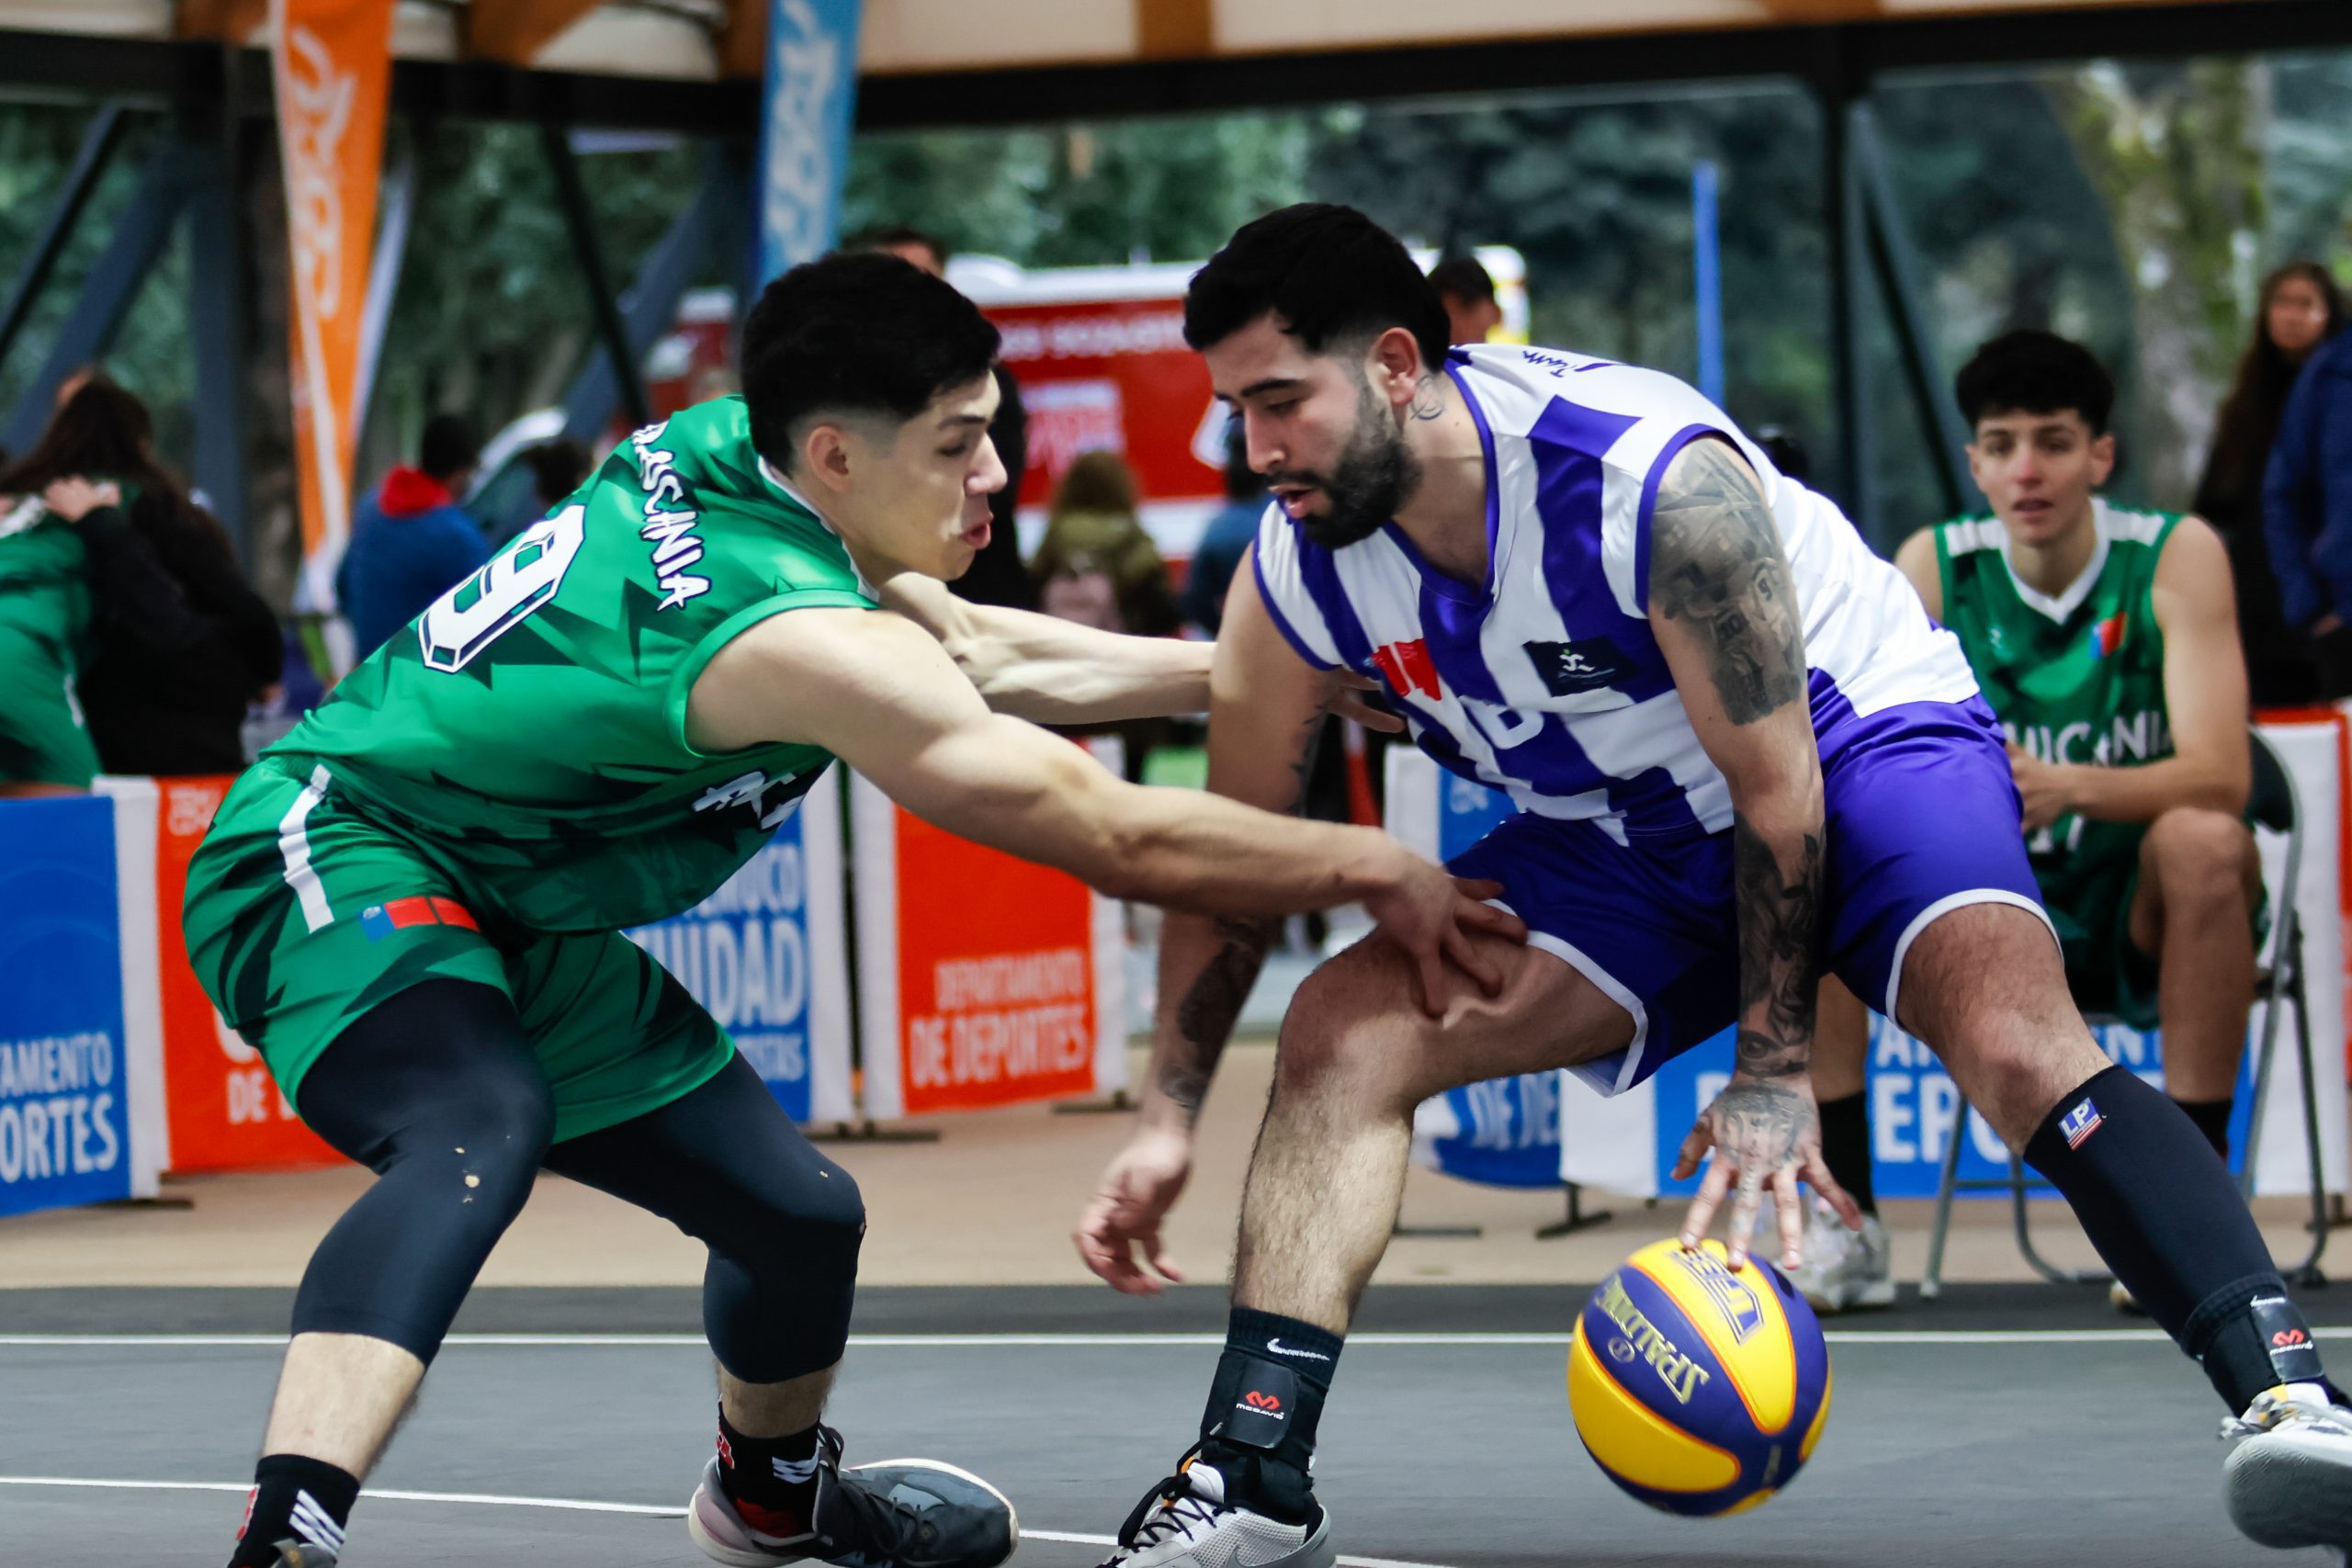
(2212, 1119)
(1845, 1146)
(294, 1498)
(1259, 1428)
(2165, 1216)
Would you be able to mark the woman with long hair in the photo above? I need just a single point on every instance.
(2300, 309)
(177, 643)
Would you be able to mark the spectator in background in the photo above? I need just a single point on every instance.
(2307, 510)
(997, 576)
(44, 628)
(1227, 538)
(557, 468)
(412, 542)
(908, 243)
(1467, 289)
(177, 645)
(1096, 566)
(2301, 310)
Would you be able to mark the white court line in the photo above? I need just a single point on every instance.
(995, 1341)
(575, 1505)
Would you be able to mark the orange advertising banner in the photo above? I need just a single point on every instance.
(333, 63)
(983, 980)
(222, 1110)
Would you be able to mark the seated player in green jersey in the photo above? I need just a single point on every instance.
(2105, 638)
(45, 747)
(412, 904)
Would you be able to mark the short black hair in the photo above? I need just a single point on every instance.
(450, 443)
(2032, 371)
(883, 236)
(1463, 278)
(855, 334)
(1331, 274)
(557, 468)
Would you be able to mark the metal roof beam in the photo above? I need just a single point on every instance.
(513, 31)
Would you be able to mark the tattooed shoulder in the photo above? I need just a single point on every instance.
(1716, 570)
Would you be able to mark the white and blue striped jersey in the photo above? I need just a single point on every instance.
(1545, 681)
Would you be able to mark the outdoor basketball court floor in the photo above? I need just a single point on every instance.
(2002, 1426)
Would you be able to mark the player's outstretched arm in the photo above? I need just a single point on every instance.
(876, 691)
(1051, 671)
(1724, 610)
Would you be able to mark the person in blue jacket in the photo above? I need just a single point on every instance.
(2307, 511)
(411, 542)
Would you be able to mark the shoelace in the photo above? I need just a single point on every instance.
(2268, 1414)
(885, 1524)
(1172, 1508)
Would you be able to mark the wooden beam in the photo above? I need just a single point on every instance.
(230, 21)
(743, 39)
(514, 31)
(1175, 29)
(1826, 10)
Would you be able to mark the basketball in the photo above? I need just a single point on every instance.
(1697, 1389)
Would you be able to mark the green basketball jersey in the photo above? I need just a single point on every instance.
(2074, 679)
(44, 581)
(529, 729)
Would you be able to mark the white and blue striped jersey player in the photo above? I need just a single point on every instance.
(1546, 683)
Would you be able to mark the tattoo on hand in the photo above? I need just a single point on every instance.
(1716, 565)
(1205, 1015)
(1779, 923)
(1760, 1124)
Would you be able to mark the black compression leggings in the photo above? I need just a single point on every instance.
(437, 1091)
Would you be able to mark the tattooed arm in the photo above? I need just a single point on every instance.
(1265, 709)
(1724, 610)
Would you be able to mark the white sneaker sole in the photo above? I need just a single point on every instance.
(2285, 1491)
(743, 1553)
(1875, 1296)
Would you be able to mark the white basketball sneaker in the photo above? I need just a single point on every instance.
(2289, 1476)
(1844, 1270)
(1186, 1521)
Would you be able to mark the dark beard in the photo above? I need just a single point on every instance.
(1374, 475)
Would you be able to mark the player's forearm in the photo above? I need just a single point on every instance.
(1073, 674)
(1205, 854)
(1206, 967)
(2144, 792)
(1777, 872)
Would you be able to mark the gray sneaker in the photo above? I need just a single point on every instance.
(2289, 1476)
(1185, 1522)
(1845, 1270)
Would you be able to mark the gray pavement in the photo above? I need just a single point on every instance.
(2024, 1452)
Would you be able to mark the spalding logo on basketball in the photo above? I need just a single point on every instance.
(1697, 1389)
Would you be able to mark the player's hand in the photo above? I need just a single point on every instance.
(75, 498)
(1347, 700)
(1766, 1133)
(1437, 920)
(2040, 785)
(1138, 1187)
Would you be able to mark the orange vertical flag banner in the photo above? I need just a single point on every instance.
(332, 66)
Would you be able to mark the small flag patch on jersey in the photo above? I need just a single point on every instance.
(2080, 1123)
(1408, 668)
(2107, 635)
(381, 921)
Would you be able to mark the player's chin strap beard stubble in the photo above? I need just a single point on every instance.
(1718, 569)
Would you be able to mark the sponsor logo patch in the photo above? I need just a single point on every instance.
(1570, 669)
(2080, 1123)
(381, 921)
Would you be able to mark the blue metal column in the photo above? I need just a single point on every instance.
(89, 163)
(139, 238)
(1707, 266)
(220, 327)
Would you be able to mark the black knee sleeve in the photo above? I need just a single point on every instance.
(777, 1294)
(437, 1092)
(2161, 1209)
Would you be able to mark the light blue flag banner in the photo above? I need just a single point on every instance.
(804, 128)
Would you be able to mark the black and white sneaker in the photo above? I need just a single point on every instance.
(2289, 1476)
(899, 1513)
(1185, 1522)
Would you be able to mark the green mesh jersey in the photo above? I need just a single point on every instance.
(529, 729)
(2075, 679)
(44, 582)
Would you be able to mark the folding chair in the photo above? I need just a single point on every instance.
(2274, 805)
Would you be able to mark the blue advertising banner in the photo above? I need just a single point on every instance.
(65, 1135)
(804, 132)
(766, 956)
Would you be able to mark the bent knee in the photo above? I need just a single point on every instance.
(1356, 1017)
(2193, 849)
(818, 1209)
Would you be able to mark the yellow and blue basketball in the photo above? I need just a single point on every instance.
(1697, 1389)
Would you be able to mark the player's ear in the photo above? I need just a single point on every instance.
(1393, 365)
(2102, 458)
(825, 457)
